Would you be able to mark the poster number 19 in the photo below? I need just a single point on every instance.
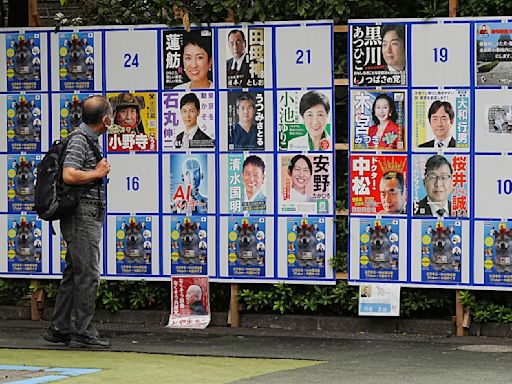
(440, 55)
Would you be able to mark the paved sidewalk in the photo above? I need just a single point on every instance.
(349, 357)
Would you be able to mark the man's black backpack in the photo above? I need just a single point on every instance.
(54, 199)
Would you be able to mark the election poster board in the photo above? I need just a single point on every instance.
(430, 126)
(222, 148)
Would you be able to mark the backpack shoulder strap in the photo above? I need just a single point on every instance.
(93, 147)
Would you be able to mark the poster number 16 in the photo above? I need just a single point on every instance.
(440, 55)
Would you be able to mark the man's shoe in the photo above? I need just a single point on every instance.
(54, 336)
(89, 342)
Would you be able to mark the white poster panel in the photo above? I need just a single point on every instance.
(189, 177)
(494, 187)
(133, 246)
(133, 182)
(375, 255)
(81, 54)
(132, 60)
(304, 56)
(246, 248)
(440, 252)
(493, 125)
(308, 249)
(169, 225)
(245, 57)
(440, 55)
(252, 111)
(248, 183)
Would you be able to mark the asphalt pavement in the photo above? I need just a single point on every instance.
(346, 357)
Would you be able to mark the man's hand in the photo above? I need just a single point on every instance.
(102, 168)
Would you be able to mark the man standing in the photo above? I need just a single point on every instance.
(438, 185)
(243, 134)
(192, 136)
(82, 231)
(440, 117)
(237, 68)
(392, 193)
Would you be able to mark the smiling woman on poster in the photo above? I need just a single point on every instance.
(384, 133)
(314, 108)
(300, 170)
(197, 61)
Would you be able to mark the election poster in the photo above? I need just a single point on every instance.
(379, 244)
(441, 251)
(305, 120)
(135, 122)
(441, 119)
(249, 183)
(189, 183)
(24, 123)
(190, 302)
(76, 60)
(378, 55)
(187, 59)
(378, 184)
(493, 52)
(70, 112)
(379, 300)
(188, 121)
(189, 245)
(246, 246)
(306, 247)
(24, 243)
(378, 120)
(440, 185)
(305, 184)
(497, 252)
(134, 242)
(23, 58)
(246, 120)
(245, 63)
(21, 180)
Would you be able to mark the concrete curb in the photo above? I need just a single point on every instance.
(385, 325)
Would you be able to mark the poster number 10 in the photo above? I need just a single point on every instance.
(440, 55)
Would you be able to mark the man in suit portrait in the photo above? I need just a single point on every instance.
(438, 185)
(440, 117)
(192, 136)
(237, 68)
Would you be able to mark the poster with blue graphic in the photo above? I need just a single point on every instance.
(21, 181)
(63, 251)
(246, 246)
(71, 108)
(306, 247)
(76, 60)
(24, 243)
(441, 251)
(24, 123)
(23, 54)
(498, 252)
(189, 245)
(189, 183)
(379, 245)
(133, 245)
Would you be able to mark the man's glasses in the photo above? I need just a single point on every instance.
(431, 178)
